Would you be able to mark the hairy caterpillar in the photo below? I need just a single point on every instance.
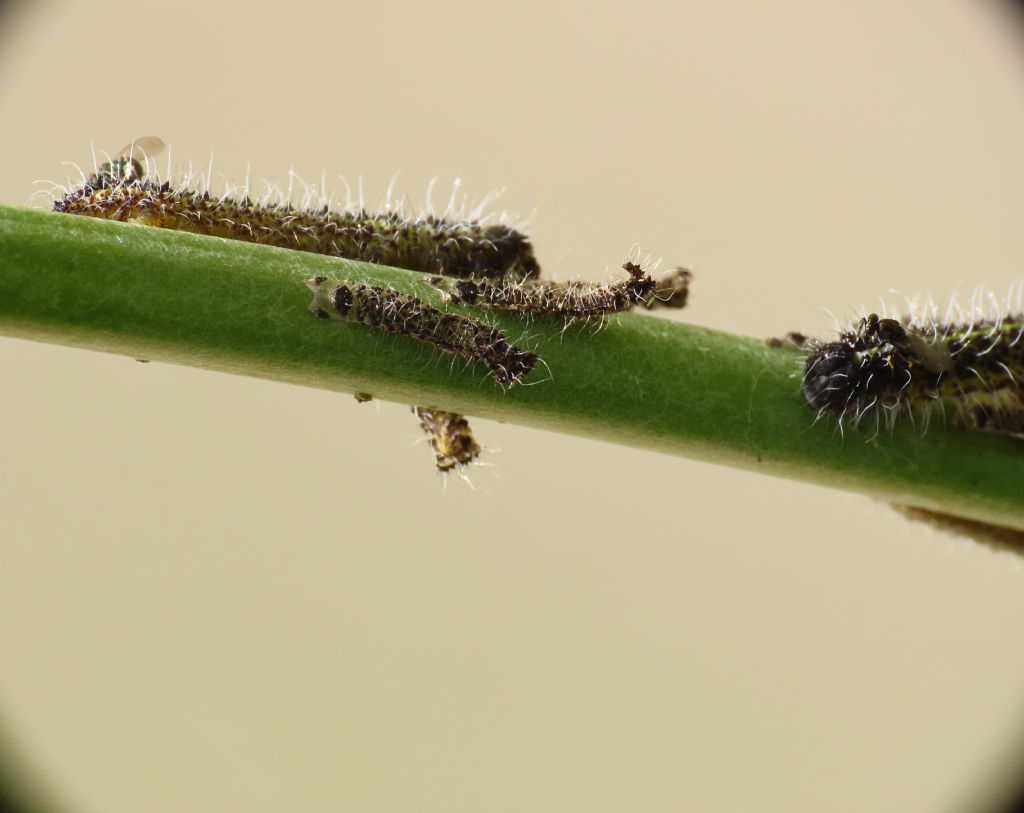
(968, 372)
(120, 190)
(573, 300)
(387, 310)
(450, 437)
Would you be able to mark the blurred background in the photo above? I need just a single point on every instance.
(199, 612)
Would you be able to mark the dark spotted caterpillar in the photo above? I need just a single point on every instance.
(494, 266)
(392, 312)
(120, 190)
(968, 373)
(573, 300)
(450, 437)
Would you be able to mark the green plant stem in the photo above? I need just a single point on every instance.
(642, 381)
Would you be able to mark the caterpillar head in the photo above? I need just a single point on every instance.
(869, 364)
(126, 169)
(831, 376)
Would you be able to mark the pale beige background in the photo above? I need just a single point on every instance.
(225, 594)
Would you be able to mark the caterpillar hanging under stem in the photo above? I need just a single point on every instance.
(450, 437)
(489, 265)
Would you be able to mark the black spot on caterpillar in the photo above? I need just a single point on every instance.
(392, 312)
(450, 437)
(968, 372)
(573, 300)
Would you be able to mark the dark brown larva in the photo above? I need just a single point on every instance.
(392, 312)
(574, 300)
(450, 437)
(970, 372)
(119, 190)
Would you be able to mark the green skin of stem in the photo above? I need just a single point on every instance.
(642, 381)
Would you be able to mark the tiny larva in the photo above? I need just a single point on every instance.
(573, 300)
(450, 437)
(484, 264)
(387, 310)
(121, 190)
